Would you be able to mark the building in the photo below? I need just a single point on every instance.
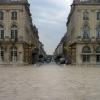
(18, 35)
(83, 32)
(42, 53)
(60, 51)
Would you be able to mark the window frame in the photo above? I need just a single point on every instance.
(98, 31)
(87, 58)
(14, 32)
(86, 32)
(14, 54)
(2, 53)
(98, 15)
(14, 15)
(86, 54)
(98, 54)
(1, 15)
(85, 15)
(1, 32)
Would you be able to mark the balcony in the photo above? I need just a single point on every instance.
(86, 38)
(14, 40)
(83, 39)
(7, 38)
(1, 39)
(98, 39)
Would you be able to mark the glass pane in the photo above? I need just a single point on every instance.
(98, 58)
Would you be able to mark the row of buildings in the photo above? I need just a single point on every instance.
(81, 43)
(19, 40)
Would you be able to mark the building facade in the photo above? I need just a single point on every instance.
(60, 52)
(83, 32)
(42, 53)
(18, 35)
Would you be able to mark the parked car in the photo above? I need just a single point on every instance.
(62, 60)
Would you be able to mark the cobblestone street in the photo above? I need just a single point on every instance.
(49, 82)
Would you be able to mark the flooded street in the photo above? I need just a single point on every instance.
(49, 82)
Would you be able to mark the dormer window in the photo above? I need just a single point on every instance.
(14, 15)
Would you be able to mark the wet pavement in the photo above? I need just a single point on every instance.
(49, 82)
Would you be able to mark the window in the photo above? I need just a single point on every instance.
(1, 32)
(85, 15)
(86, 54)
(13, 54)
(98, 1)
(1, 15)
(86, 58)
(98, 54)
(98, 31)
(1, 54)
(86, 32)
(14, 15)
(98, 58)
(14, 32)
(98, 15)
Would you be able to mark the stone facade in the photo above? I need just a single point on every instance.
(60, 51)
(83, 32)
(18, 35)
(42, 53)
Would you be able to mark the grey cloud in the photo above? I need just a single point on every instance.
(50, 17)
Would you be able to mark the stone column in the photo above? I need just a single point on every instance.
(78, 54)
(93, 59)
(7, 55)
(20, 57)
(0, 60)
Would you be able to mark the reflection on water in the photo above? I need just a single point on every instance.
(49, 82)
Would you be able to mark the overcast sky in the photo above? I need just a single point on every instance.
(50, 18)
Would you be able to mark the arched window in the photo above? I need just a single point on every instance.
(86, 32)
(14, 54)
(14, 15)
(85, 15)
(14, 32)
(1, 54)
(98, 31)
(1, 15)
(98, 54)
(86, 54)
(1, 32)
(86, 49)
